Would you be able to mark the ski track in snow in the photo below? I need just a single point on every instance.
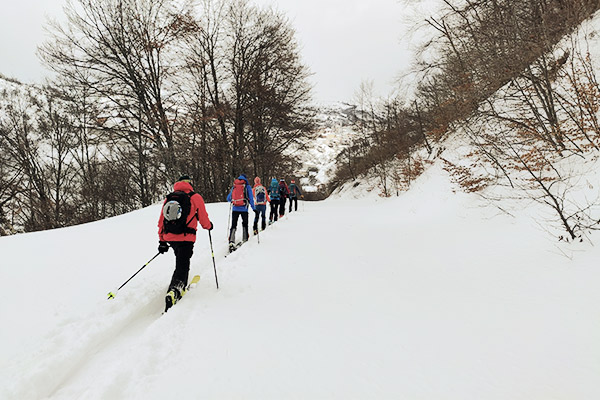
(427, 295)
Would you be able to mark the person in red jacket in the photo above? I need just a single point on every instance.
(181, 212)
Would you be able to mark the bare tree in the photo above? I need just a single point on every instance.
(124, 52)
(250, 92)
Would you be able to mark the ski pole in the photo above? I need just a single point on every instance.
(229, 220)
(111, 295)
(213, 257)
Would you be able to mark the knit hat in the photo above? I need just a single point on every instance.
(184, 178)
(257, 181)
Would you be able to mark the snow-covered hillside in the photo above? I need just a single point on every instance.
(318, 155)
(428, 295)
(11, 90)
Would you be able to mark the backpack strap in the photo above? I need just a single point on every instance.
(187, 229)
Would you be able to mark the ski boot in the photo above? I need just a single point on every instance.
(174, 294)
(232, 239)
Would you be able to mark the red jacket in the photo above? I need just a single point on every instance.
(197, 208)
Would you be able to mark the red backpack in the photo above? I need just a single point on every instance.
(238, 195)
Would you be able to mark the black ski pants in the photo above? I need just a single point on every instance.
(274, 210)
(235, 215)
(282, 207)
(295, 201)
(183, 254)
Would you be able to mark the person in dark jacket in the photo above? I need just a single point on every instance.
(241, 197)
(294, 193)
(284, 193)
(274, 201)
(181, 243)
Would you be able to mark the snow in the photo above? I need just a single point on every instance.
(428, 295)
(431, 294)
(318, 155)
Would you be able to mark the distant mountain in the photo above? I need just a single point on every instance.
(334, 133)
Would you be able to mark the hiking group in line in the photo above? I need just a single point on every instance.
(183, 209)
(242, 195)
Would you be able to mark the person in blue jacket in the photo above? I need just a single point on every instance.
(240, 196)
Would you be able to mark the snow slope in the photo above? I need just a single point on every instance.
(427, 295)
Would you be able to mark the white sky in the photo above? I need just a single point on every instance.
(344, 42)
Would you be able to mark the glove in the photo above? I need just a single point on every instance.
(211, 226)
(163, 247)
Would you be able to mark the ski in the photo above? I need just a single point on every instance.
(170, 299)
(234, 246)
(194, 282)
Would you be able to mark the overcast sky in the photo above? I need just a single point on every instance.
(344, 42)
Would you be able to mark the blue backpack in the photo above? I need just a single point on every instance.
(274, 191)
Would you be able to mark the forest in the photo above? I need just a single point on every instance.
(144, 91)
(514, 80)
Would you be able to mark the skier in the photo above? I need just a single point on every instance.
(274, 201)
(284, 192)
(261, 197)
(240, 196)
(181, 212)
(294, 193)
